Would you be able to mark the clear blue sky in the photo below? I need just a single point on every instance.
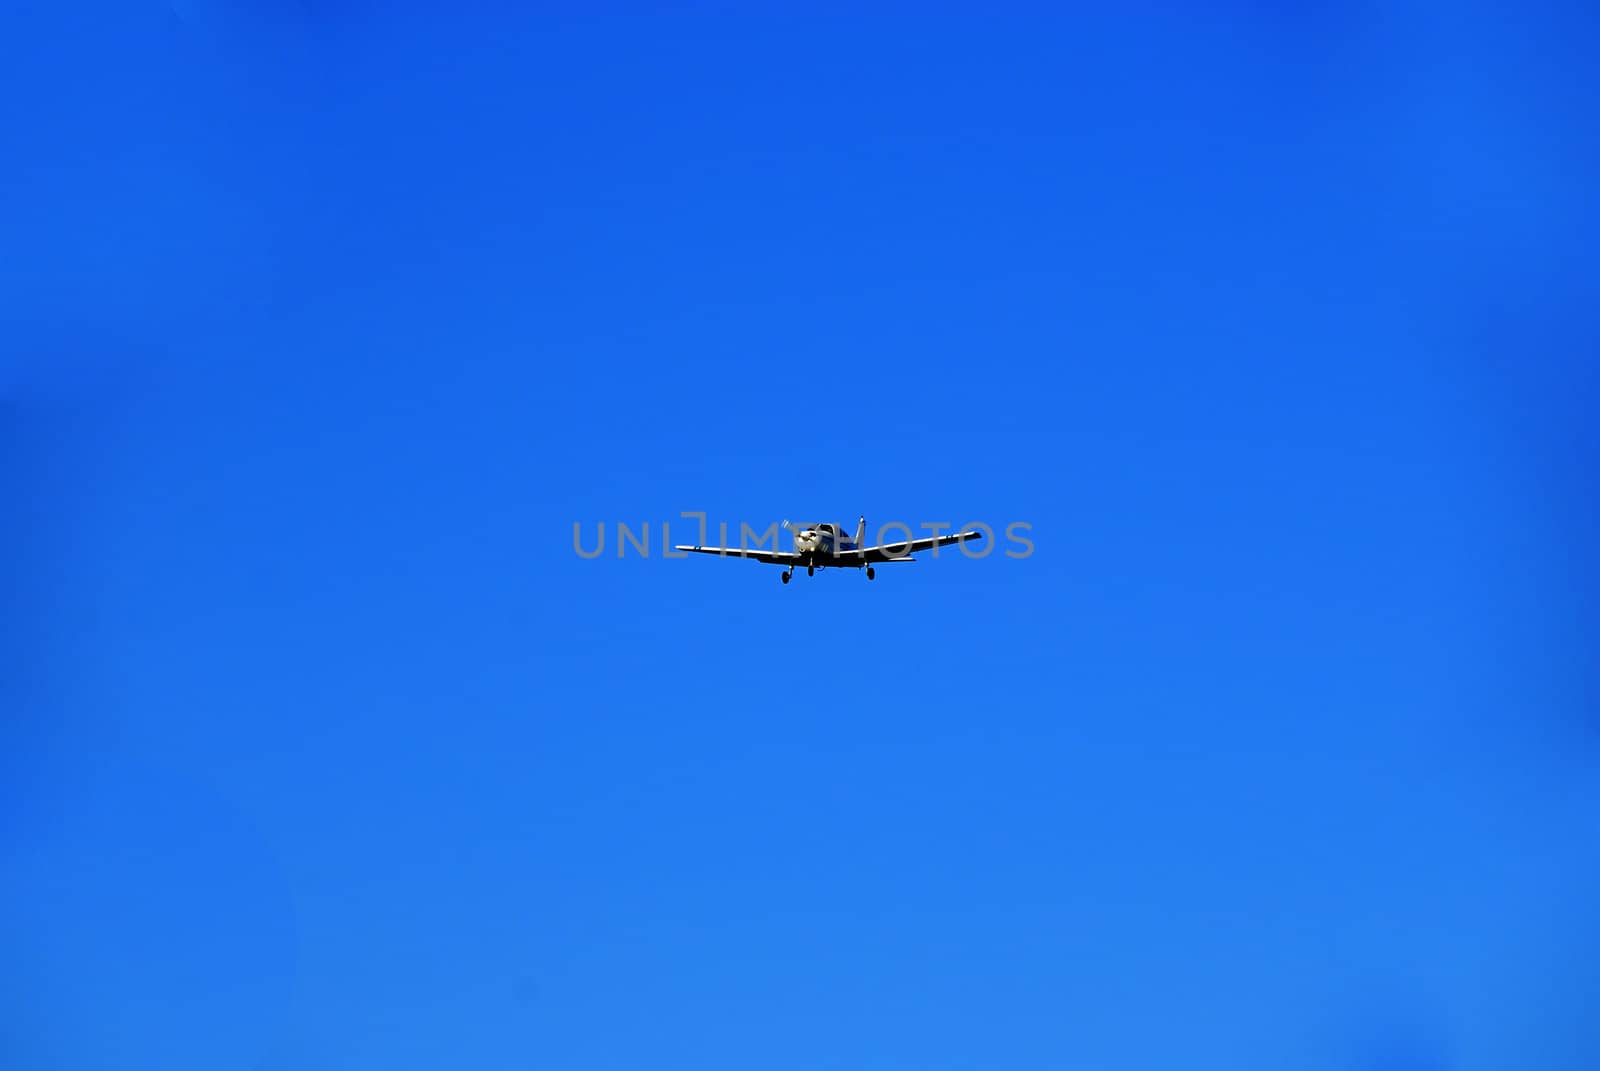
(324, 323)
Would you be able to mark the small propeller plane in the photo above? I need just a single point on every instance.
(825, 546)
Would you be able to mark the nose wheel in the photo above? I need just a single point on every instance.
(811, 570)
(786, 574)
(870, 573)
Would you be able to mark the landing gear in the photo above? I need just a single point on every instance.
(870, 573)
(786, 574)
(811, 570)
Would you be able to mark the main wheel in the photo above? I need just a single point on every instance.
(870, 573)
(785, 578)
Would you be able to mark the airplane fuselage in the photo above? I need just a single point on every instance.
(822, 544)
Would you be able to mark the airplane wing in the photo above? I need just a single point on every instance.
(770, 557)
(890, 552)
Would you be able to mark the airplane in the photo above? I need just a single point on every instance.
(825, 546)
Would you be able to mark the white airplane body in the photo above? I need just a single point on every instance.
(825, 546)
